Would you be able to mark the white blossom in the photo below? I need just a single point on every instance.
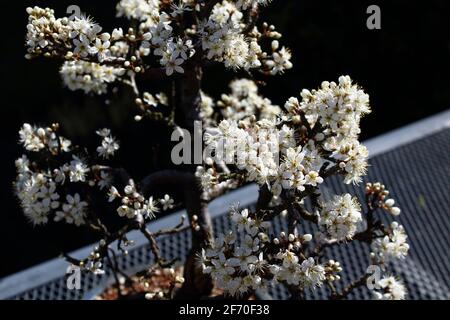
(109, 144)
(172, 64)
(105, 180)
(244, 101)
(166, 202)
(390, 289)
(82, 46)
(393, 245)
(77, 170)
(113, 193)
(134, 204)
(340, 216)
(137, 9)
(281, 61)
(237, 268)
(36, 192)
(36, 139)
(179, 9)
(305, 274)
(89, 76)
(73, 211)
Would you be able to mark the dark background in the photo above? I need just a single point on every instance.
(404, 67)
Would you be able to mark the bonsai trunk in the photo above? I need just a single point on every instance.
(186, 101)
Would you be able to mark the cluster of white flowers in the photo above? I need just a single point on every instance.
(390, 289)
(208, 178)
(244, 101)
(295, 269)
(93, 262)
(73, 211)
(80, 34)
(134, 203)
(224, 41)
(174, 53)
(245, 4)
(39, 187)
(257, 153)
(337, 109)
(89, 76)
(340, 217)
(306, 274)
(77, 169)
(254, 151)
(393, 245)
(43, 29)
(238, 268)
(241, 264)
(95, 59)
(280, 59)
(37, 138)
(300, 167)
(275, 150)
(80, 42)
(156, 32)
(36, 192)
(141, 10)
(290, 152)
(38, 196)
(109, 144)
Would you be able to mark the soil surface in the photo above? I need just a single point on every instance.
(157, 285)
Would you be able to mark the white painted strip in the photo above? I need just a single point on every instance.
(408, 133)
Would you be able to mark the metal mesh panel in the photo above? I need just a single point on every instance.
(418, 176)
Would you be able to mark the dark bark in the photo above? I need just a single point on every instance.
(187, 102)
(264, 198)
(196, 283)
(348, 289)
(187, 96)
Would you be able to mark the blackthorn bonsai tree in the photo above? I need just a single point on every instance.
(288, 151)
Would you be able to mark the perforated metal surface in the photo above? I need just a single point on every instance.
(417, 174)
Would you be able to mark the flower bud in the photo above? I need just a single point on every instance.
(275, 45)
(395, 211)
